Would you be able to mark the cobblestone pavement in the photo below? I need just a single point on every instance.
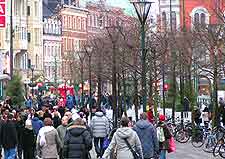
(184, 151)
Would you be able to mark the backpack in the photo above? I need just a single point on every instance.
(160, 134)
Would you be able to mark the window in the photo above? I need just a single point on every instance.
(29, 37)
(200, 16)
(74, 23)
(164, 19)
(37, 36)
(196, 19)
(36, 8)
(17, 7)
(203, 19)
(174, 21)
(28, 10)
(23, 7)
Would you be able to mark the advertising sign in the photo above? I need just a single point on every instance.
(1, 63)
(2, 13)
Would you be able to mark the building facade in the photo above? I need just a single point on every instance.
(52, 49)
(35, 34)
(169, 14)
(74, 37)
(201, 12)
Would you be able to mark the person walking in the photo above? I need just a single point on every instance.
(148, 137)
(37, 124)
(124, 139)
(9, 138)
(28, 140)
(205, 117)
(100, 129)
(164, 136)
(77, 142)
(62, 131)
(48, 141)
(20, 124)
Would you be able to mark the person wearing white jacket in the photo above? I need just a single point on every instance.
(100, 129)
(119, 146)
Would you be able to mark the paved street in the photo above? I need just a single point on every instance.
(184, 151)
(187, 151)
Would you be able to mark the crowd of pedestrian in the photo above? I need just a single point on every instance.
(57, 132)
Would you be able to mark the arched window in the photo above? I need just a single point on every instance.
(200, 16)
(196, 19)
(203, 19)
(164, 20)
(174, 20)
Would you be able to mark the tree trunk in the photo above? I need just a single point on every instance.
(136, 95)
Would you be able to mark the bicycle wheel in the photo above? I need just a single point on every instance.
(182, 136)
(197, 140)
(217, 148)
(210, 144)
(222, 151)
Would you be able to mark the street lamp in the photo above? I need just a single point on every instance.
(81, 56)
(142, 8)
(32, 80)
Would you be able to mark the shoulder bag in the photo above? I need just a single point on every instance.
(135, 154)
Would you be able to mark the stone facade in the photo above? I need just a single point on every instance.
(52, 42)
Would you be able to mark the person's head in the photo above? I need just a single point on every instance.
(48, 122)
(143, 116)
(68, 114)
(65, 121)
(79, 122)
(162, 118)
(124, 121)
(28, 124)
(10, 116)
(36, 115)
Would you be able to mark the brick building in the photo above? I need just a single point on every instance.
(74, 36)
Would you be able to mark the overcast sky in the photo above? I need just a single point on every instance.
(128, 6)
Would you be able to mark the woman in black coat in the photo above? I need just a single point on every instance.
(77, 142)
(28, 140)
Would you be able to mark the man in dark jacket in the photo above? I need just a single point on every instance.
(77, 142)
(148, 137)
(9, 138)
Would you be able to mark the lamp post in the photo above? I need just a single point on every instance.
(142, 8)
(81, 57)
(89, 54)
(32, 80)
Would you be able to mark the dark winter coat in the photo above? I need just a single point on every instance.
(28, 139)
(9, 135)
(148, 137)
(77, 143)
(56, 121)
(165, 145)
(37, 125)
(19, 128)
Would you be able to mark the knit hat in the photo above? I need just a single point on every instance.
(162, 117)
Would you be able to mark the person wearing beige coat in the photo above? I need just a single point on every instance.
(119, 146)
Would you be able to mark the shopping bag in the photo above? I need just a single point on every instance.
(106, 143)
(172, 145)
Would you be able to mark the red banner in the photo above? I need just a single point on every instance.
(2, 21)
(2, 9)
(2, 1)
